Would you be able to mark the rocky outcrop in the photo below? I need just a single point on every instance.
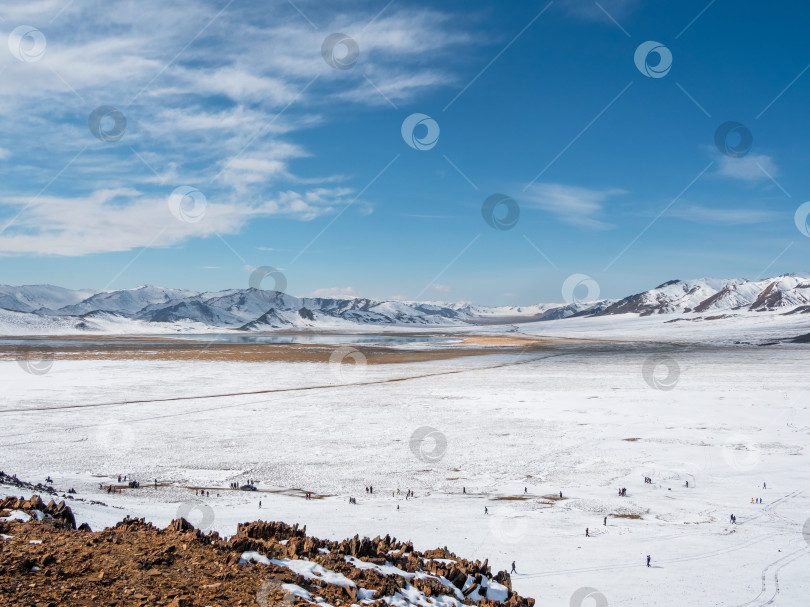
(59, 515)
(135, 563)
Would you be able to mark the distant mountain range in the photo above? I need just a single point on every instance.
(46, 309)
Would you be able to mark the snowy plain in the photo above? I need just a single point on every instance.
(511, 429)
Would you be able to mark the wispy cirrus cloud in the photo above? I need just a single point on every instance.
(125, 218)
(751, 168)
(574, 205)
(214, 96)
(722, 216)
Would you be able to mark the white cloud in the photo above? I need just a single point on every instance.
(750, 168)
(209, 103)
(574, 205)
(335, 293)
(124, 219)
(702, 214)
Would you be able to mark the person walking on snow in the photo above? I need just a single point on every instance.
(648, 560)
(513, 568)
(605, 522)
(486, 510)
(586, 532)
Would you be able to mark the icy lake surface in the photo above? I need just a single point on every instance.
(348, 339)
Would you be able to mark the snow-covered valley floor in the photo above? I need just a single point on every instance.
(512, 430)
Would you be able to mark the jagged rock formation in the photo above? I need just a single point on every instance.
(49, 562)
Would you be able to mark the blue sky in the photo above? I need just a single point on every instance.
(303, 166)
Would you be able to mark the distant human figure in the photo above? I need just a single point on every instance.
(464, 490)
(648, 560)
(687, 484)
(513, 568)
(486, 510)
(155, 483)
(752, 500)
(560, 494)
(586, 532)
(397, 506)
(260, 504)
(525, 490)
(764, 486)
(605, 522)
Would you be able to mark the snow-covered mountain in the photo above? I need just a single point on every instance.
(48, 309)
(35, 297)
(706, 295)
